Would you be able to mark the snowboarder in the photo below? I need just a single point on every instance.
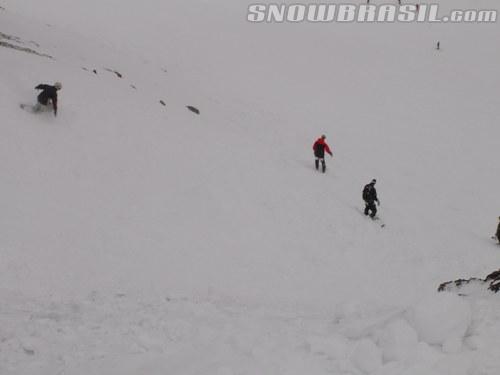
(370, 197)
(47, 96)
(320, 147)
(497, 235)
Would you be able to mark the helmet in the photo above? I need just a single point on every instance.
(58, 85)
(323, 136)
(373, 181)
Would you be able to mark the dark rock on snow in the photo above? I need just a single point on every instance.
(491, 283)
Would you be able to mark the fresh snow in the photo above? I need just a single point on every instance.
(141, 238)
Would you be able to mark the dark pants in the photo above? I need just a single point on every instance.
(370, 206)
(323, 164)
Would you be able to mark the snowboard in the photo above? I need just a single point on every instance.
(31, 108)
(27, 107)
(377, 219)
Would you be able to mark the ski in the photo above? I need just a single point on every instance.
(376, 218)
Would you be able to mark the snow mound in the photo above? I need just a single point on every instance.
(442, 319)
(367, 356)
(398, 341)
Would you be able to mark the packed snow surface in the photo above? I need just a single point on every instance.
(139, 237)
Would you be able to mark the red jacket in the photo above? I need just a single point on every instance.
(320, 147)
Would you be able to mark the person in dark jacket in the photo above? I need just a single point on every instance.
(370, 197)
(320, 147)
(47, 96)
(498, 231)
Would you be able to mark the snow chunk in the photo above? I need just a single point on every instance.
(225, 371)
(397, 368)
(398, 341)
(334, 347)
(297, 364)
(442, 319)
(367, 357)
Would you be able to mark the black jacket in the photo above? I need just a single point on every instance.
(370, 194)
(48, 92)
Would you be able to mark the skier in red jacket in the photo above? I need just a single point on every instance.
(320, 147)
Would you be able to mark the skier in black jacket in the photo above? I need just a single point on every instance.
(49, 93)
(498, 231)
(370, 197)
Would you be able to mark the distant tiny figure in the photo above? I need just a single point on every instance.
(320, 147)
(47, 96)
(497, 234)
(438, 47)
(418, 7)
(370, 197)
(399, 2)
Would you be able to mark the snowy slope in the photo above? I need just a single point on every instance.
(137, 236)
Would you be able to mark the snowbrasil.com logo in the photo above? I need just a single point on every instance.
(364, 13)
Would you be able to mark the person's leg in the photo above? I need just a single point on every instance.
(323, 164)
(373, 208)
(367, 209)
(317, 163)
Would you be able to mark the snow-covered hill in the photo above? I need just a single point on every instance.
(140, 238)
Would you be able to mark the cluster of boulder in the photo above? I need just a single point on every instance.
(462, 286)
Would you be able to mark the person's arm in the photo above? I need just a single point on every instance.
(327, 149)
(41, 86)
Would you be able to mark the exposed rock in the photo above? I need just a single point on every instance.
(193, 109)
(491, 283)
(118, 74)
